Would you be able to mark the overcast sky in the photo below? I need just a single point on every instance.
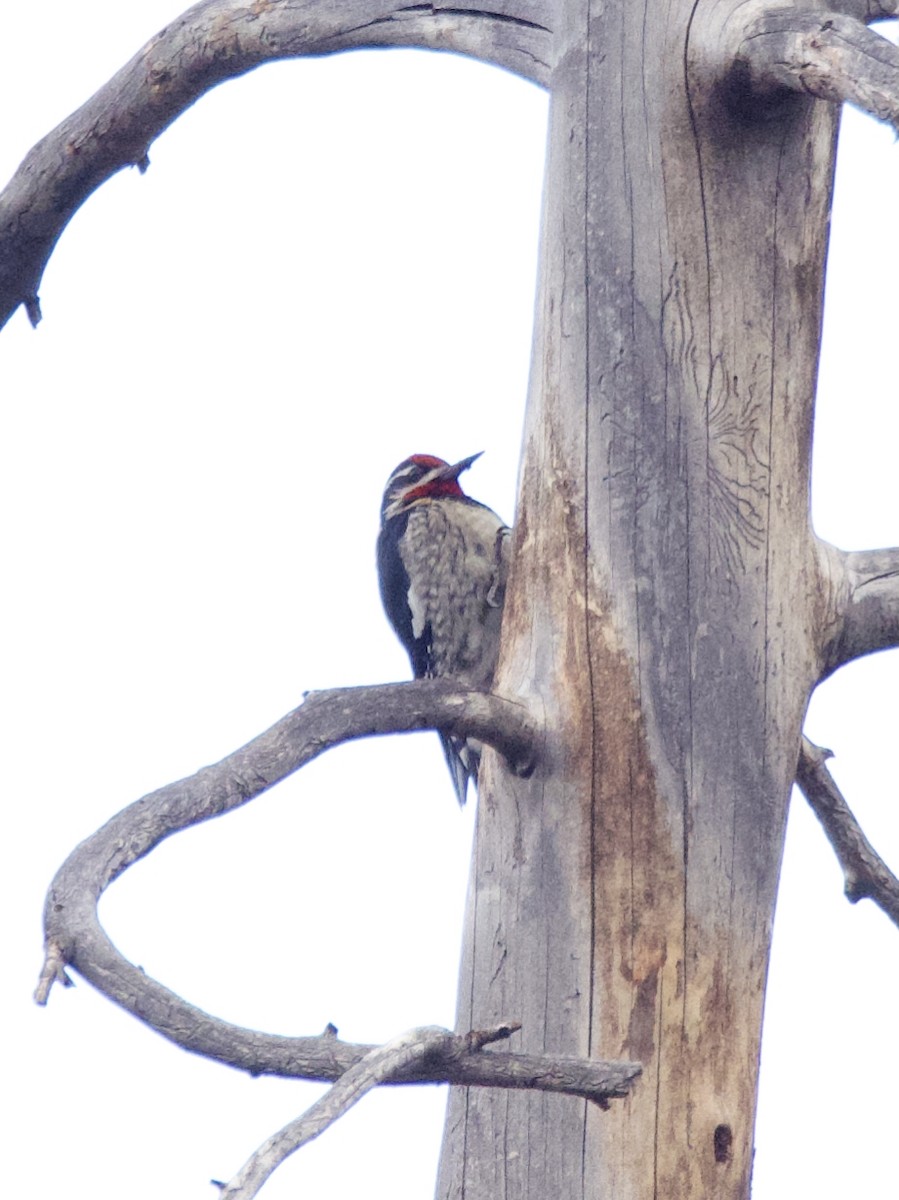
(330, 265)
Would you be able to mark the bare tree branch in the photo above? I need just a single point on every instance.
(379, 1066)
(867, 605)
(75, 937)
(823, 54)
(213, 41)
(864, 872)
(325, 719)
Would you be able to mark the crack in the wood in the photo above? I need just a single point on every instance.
(499, 967)
(434, 11)
(875, 579)
(503, 18)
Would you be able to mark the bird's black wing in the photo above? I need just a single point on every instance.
(394, 582)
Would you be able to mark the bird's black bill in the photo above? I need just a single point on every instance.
(455, 469)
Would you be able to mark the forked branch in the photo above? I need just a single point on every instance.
(824, 54)
(213, 41)
(865, 873)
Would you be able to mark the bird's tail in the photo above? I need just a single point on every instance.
(463, 757)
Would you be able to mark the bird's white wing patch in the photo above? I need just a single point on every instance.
(420, 536)
(418, 609)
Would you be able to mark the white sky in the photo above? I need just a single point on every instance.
(330, 265)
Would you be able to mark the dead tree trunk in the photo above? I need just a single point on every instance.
(666, 612)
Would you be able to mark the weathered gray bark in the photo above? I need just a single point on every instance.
(668, 607)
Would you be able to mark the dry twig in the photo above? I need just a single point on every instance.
(865, 873)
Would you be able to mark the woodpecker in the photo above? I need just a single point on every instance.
(443, 560)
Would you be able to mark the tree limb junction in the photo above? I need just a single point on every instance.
(823, 54)
(867, 604)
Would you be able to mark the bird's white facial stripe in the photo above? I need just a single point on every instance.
(423, 480)
(399, 491)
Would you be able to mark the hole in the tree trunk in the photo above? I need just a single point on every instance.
(723, 1139)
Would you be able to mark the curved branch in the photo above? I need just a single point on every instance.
(75, 937)
(325, 719)
(869, 606)
(823, 54)
(213, 41)
(864, 872)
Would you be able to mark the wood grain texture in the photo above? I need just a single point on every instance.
(666, 605)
